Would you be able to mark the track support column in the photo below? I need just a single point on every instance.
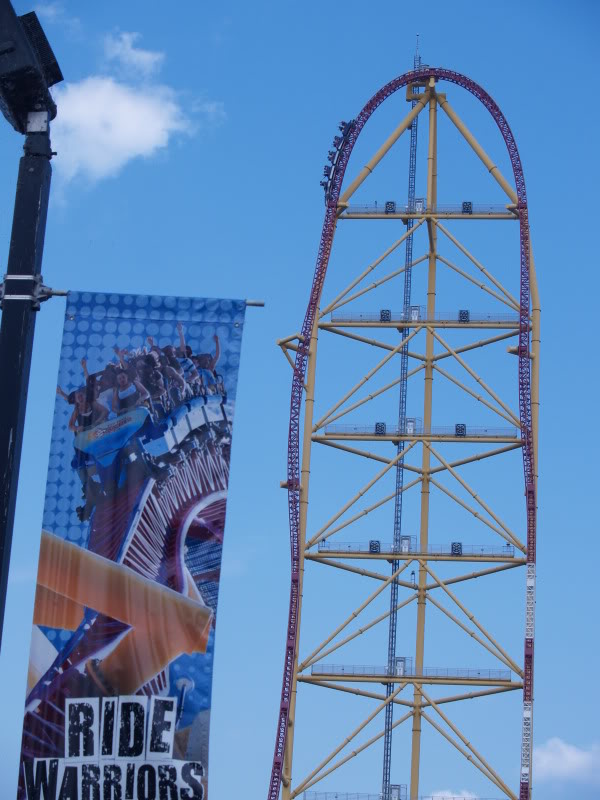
(425, 463)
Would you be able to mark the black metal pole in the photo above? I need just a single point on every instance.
(19, 305)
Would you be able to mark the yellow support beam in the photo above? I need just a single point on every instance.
(385, 147)
(478, 149)
(425, 461)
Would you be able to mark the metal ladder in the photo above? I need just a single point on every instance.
(389, 709)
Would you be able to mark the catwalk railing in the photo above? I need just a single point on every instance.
(417, 429)
(390, 209)
(327, 546)
(419, 314)
(400, 795)
(365, 796)
(408, 671)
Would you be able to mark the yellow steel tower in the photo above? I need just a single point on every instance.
(468, 443)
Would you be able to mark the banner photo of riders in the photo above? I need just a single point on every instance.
(120, 670)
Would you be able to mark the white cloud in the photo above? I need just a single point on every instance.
(120, 48)
(557, 759)
(212, 110)
(50, 11)
(102, 124)
(53, 13)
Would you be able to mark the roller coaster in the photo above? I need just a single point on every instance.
(447, 450)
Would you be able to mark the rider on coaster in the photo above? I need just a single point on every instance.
(88, 411)
(128, 393)
(206, 363)
(183, 355)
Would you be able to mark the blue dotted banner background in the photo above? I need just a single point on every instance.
(94, 325)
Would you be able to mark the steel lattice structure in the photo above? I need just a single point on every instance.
(524, 324)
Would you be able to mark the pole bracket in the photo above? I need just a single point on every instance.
(27, 288)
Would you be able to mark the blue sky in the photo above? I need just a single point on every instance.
(190, 149)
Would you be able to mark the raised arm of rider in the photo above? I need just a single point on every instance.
(100, 412)
(73, 420)
(181, 338)
(173, 375)
(213, 363)
(142, 391)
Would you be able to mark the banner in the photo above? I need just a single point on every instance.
(120, 670)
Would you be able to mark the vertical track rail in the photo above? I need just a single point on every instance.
(525, 411)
